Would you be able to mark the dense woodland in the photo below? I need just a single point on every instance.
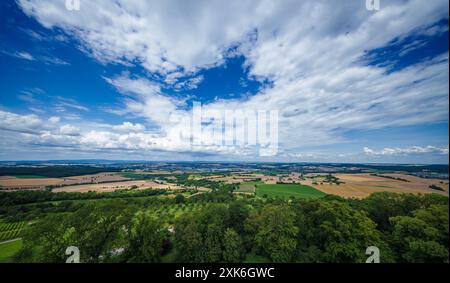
(55, 171)
(406, 228)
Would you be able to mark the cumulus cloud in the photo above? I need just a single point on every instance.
(406, 150)
(54, 119)
(129, 127)
(145, 99)
(69, 130)
(313, 52)
(20, 123)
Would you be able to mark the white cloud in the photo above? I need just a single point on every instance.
(312, 51)
(129, 127)
(25, 56)
(407, 150)
(144, 99)
(20, 123)
(54, 119)
(61, 103)
(69, 130)
(48, 60)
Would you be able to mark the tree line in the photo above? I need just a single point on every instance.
(406, 228)
(55, 171)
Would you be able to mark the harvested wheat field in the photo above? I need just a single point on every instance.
(114, 186)
(15, 183)
(10, 182)
(94, 178)
(362, 185)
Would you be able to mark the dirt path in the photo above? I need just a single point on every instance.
(9, 241)
(196, 194)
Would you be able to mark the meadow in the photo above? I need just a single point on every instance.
(8, 249)
(288, 190)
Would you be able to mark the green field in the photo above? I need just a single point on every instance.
(242, 189)
(7, 250)
(253, 183)
(288, 190)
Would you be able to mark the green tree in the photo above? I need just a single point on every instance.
(145, 238)
(99, 228)
(199, 237)
(422, 237)
(232, 246)
(238, 213)
(438, 217)
(47, 240)
(334, 232)
(179, 198)
(188, 239)
(274, 232)
(213, 243)
(95, 229)
(381, 206)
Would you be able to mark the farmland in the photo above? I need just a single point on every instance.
(10, 231)
(39, 182)
(30, 177)
(362, 185)
(288, 190)
(196, 214)
(109, 187)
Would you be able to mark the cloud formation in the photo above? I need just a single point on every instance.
(314, 53)
(407, 150)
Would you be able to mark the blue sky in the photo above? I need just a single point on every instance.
(117, 80)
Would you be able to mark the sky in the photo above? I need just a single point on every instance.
(119, 79)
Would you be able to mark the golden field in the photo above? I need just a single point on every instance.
(362, 185)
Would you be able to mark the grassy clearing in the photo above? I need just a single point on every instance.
(246, 188)
(288, 190)
(7, 250)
